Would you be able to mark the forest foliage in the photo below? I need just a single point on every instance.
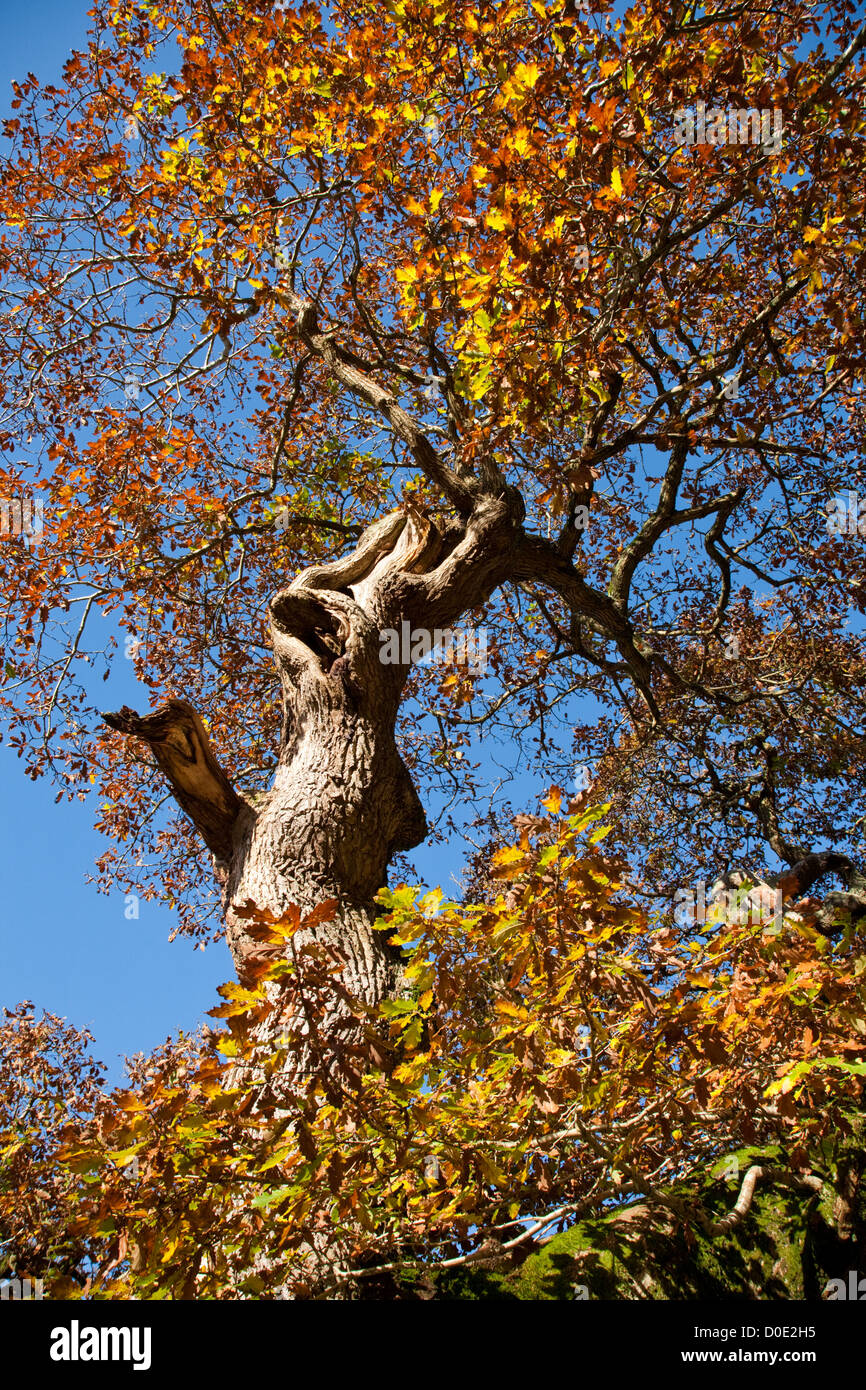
(271, 272)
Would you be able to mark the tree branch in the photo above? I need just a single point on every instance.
(459, 491)
(182, 749)
(747, 1193)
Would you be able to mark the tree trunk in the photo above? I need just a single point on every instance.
(342, 802)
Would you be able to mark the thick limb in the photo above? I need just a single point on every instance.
(177, 737)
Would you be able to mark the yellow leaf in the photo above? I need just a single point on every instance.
(526, 74)
(498, 219)
(511, 1010)
(599, 834)
(616, 182)
(507, 856)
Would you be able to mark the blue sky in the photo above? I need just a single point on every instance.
(63, 945)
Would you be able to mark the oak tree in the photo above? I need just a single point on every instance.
(322, 324)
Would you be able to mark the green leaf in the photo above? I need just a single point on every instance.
(394, 1008)
(268, 1199)
(599, 834)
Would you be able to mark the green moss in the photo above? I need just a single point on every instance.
(643, 1251)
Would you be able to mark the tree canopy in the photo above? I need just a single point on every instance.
(543, 319)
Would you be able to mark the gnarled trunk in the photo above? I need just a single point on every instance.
(342, 800)
(341, 803)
